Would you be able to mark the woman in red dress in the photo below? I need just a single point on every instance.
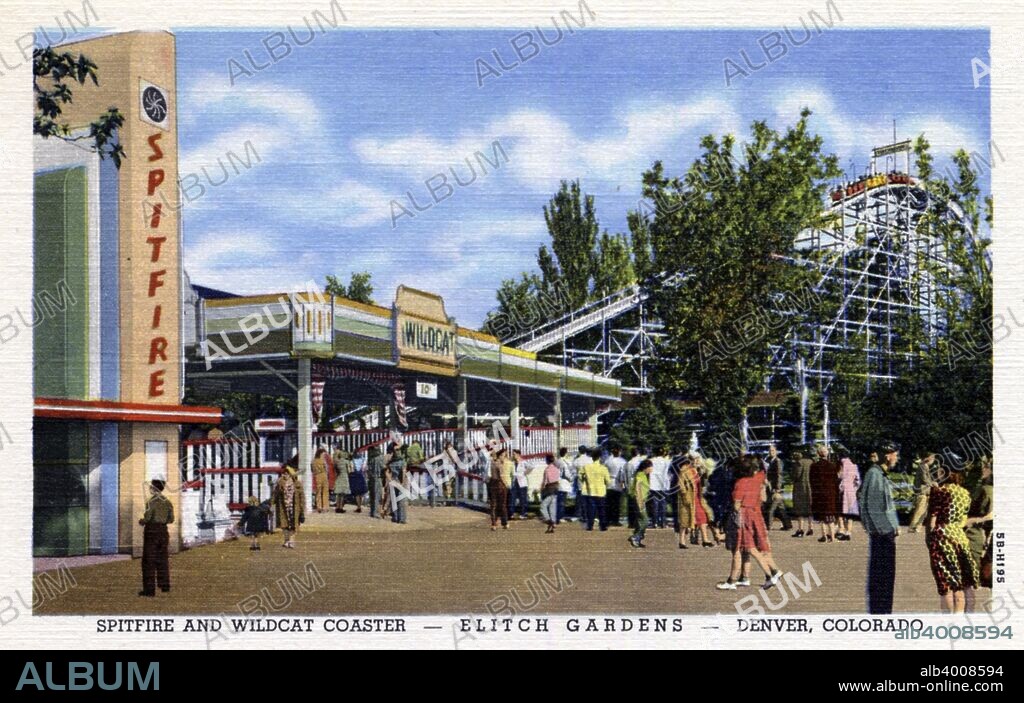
(747, 535)
(825, 500)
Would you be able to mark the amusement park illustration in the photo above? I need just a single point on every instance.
(687, 343)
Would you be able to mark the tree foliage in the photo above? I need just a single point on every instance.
(644, 426)
(613, 267)
(946, 395)
(52, 72)
(358, 289)
(727, 222)
(730, 224)
(578, 266)
(240, 408)
(572, 224)
(640, 241)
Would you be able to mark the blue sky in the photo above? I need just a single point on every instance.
(355, 119)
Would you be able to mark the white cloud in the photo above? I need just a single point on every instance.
(285, 129)
(250, 143)
(944, 136)
(251, 260)
(543, 149)
(651, 130)
(212, 92)
(479, 239)
(346, 204)
(278, 122)
(420, 153)
(218, 246)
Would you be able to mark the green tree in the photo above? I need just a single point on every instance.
(517, 305)
(614, 266)
(640, 241)
(729, 222)
(240, 408)
(51, 74)
(642, 426)
(857, 410)
(578, 266)
(549, 273)
(358, 289)
(572, 224)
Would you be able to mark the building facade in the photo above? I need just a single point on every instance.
(106, 316)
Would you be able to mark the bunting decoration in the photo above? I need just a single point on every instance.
(316, 398)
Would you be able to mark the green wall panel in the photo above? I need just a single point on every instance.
(362, 347)
(60, 239)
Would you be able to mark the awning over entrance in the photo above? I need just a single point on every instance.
(329, 351)
(112, 411)
(413, 339)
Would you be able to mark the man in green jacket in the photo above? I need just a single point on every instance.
(878, 514)
(641, 489)
(156, 568)
(414, 458)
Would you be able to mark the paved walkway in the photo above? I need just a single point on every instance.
(40, 564)
(447, 561)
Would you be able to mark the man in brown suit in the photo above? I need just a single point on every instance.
(156, 570)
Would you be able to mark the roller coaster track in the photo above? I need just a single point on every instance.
(877, 284)
(580, 320)
(591, 315)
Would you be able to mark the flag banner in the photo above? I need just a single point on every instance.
(399, 390)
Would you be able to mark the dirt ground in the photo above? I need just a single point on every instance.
(447, 561)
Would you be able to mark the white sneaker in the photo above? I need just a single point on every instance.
(743, 582)
(772, 580)
(726, 586)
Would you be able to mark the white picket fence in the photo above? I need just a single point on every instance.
(225, 472)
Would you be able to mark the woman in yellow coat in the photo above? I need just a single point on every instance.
(321, 483)
(692, 510)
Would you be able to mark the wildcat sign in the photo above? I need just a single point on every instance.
(424, 334)
(426, 337)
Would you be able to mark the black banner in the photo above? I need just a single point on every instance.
(748, 674)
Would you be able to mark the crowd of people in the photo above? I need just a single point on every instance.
(733, 503)
(736, 502)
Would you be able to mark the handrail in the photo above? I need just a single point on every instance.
(221, 440)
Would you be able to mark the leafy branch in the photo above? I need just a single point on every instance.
(52, 71)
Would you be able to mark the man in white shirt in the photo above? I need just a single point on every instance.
(617, 471)
(660, 485)
(583, 507)
(520, 486)
(567, 479)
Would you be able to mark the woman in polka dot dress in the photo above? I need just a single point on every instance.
(953, 566)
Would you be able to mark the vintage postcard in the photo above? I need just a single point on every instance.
(576, 324)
